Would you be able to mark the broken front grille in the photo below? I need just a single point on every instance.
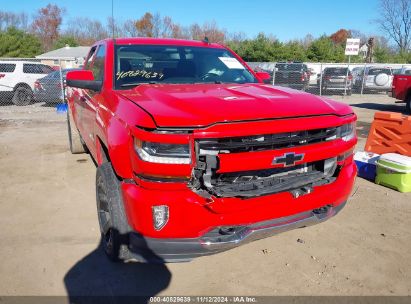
(298, 180)
(267, 141)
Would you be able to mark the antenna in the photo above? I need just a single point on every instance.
(112, 17)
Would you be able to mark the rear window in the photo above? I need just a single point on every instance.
(336, 71)
(7, 67)
(289, 67)
(379, 71)
(29, 68)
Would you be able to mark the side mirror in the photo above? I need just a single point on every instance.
(264, 76)
(83, 80)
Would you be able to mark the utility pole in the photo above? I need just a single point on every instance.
(112, 17)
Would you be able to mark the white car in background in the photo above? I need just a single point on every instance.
(17, 80)
(313, 76)
(378, 79)
(373, 78)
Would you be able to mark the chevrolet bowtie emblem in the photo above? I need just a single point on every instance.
(288, 159)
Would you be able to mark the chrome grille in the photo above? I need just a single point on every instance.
(267, 141)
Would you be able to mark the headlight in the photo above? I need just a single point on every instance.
(345, 132)
(162, 153)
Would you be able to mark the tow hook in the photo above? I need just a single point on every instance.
(296, 193)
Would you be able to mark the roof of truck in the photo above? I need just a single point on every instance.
(163, 41)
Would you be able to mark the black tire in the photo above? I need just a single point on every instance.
(112, 219)
(75, 142)
(22, 96)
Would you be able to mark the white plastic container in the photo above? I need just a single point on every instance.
(366, 164)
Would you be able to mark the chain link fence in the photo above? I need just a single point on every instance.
(39, 83)
(332, 78)
(32, 82)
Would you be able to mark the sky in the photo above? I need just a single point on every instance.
(285, 19)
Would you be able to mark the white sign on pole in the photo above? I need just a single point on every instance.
(352, 47)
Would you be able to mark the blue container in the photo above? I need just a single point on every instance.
(367, 164)
(61, 108)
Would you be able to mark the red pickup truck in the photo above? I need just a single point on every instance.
(197, 155)
(401, 90)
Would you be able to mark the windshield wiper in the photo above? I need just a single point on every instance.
(135, 84)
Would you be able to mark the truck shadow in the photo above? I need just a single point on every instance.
(399, 108)
(94, 279)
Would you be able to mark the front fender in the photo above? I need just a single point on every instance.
(113, 129)
(118, 145)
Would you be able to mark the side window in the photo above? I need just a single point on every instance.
(45, 69)
(7, 67)
(90, 58)
(30, 68)
(98, 65)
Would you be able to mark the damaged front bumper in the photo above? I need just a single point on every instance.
(222, 238)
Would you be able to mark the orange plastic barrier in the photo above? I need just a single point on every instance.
(390, 133)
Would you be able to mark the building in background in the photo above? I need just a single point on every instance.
(70, 57)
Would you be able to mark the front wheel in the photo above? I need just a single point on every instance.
(114, 227)
(22, 96)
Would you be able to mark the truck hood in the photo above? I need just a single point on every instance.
(196, 105)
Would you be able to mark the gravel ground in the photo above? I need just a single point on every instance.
(50, 238)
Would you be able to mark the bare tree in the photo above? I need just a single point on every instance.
(358, 34)
(10, 19)
(114, 28)
(395, 21)
(46, 25)
(130, 29)
(213, 32)
(86, 31)
(196, 32)
(237, 36)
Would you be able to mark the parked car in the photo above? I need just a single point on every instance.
(374, 79)
(336, 79)
(378, 79)
(17, 79)
(269, 72)
(404, 70)
(49, 89)
(313, 77)
(196, 155)
(397, 71)
(292, 74)
(401, 90)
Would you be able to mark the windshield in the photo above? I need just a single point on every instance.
(336, 71)
(136, 64)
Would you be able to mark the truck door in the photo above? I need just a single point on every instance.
(93, 98)
(80, 96)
